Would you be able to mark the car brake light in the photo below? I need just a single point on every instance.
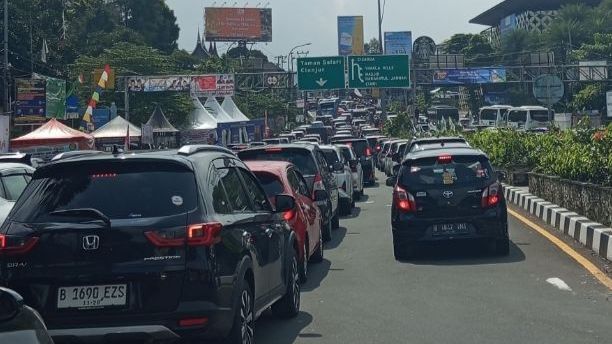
(445, 159)
(490, 196)
(205, 234)
(289, 214)
(193, 322)
(274, 149)
(161, 239)
(403, 200)
(378, 148)
(368, 151)
(20, 246)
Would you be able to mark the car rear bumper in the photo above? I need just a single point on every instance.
(490, 225)
(143, 327)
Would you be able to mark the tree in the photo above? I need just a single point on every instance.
(476, 49)
(244, 52)
(601, 48)
(590, 97)
(517, 44)
(372, 47)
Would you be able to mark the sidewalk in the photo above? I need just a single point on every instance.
(593, 235)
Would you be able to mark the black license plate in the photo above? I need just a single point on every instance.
(450, 229)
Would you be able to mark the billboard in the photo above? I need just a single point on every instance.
(31, 101)
(508, 24)
(398, 43)
(238, 24)
(214, 85)
(56, 98)
(350, 35)
(469, 76)
(170, 83)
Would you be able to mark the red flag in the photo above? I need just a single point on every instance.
(127, 139)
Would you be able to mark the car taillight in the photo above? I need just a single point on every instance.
(490, 196)
(165, 239)
(445, 159)
(205, 234)
(403, 200)
(11, 246)
(289, 214)
(368, 151)
(318, 183)
(378, 148)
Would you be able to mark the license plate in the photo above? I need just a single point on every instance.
(92, 296)
(450, 229)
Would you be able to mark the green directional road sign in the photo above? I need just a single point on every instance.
(320, 73)
(379, 71)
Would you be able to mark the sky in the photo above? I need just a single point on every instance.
(314, 21)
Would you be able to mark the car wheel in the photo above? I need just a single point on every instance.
(356, 196)
(502, 247)
(404, 251)
(336, 222)
(317, 256)
(289, 305)
(244, 321)
(304, 265)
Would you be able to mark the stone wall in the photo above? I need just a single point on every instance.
(589, 200)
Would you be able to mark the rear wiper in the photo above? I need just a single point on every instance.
(83, 212)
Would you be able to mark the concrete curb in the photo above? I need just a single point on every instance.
(593, 235)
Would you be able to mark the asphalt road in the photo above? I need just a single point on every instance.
(453, 294)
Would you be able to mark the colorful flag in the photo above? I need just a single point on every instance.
(87, 123)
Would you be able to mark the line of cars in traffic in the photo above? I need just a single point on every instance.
(192, 243)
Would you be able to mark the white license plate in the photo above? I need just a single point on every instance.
(450, 228)
(92, 296)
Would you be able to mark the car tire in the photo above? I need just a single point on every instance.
(345, 207)
(289, 305)
(502, 247)
(356, 196)
(318, 254)
(404, 251)
(327, 231)
(303, 268)
(336, 222)
(244, 319)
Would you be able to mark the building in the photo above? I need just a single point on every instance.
(200, 51)
(528, 15)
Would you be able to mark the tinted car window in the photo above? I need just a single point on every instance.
(426, 146)
(254, 192)
(517, 116)
(488, 114)
(270, 183)
(301, 158)
(346, 153)
(235, 192)
(539, 115)
(462, 170)
(302, 182)
(14, 185)
(359, 146)
(221, 203)
(119, 191)
(330, 156)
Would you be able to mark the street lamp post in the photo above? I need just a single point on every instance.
(289, 62)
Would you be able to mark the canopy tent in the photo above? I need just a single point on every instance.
(215, 109)
(117, 128)
(159, 122)
(52, 135)
(230, 107)
(200, 117)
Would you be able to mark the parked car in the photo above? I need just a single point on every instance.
(443, 195)
(20, 323)
(364, 152)
(344, 177)
(158, 245)
(236, 147)
(425, 143)
(279, 177)
(310, 161)
(357, 172)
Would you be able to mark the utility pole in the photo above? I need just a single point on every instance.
(5, 100)
(380, 49)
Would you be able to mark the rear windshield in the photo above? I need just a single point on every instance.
(437, 145)
(302, 158)
(539, 115)
(359, 147)
(270, 182)
(119, 191)
(330, 156)
(461, 171)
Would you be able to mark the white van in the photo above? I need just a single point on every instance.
(494, 115)
(529, 117)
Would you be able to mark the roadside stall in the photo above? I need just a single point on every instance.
(202, 128)
(164, 133)
(116, 132)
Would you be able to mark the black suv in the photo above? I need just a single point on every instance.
(310, 160)
(447, 194)
(150, 246)
(365, 155)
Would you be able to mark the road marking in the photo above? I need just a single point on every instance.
(590, 267)
(559, 283)
(369, 202)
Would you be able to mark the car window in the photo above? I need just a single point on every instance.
(254, 192)
(270, 182)
(304, 190)
(235, 192)
(346, 153)
(119, 190)
(301, 158)
(461, 170)
(14, 185)
(293, 181)
(330, 156)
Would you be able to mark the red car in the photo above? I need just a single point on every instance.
(305, 219)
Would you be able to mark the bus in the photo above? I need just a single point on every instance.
(529, 117)
(493, 115)
(328, 107)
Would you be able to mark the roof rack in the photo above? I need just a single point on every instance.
(66, 155)
(192, 149)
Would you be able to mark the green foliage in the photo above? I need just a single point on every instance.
(591, 96)
(244, 52)
(372, 47)
(400, 127)
(600, 48)
(153, 20)
(255, 104)
(476, 49)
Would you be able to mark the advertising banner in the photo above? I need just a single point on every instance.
(398, 43)
(171, 83)
(5, 124)
(350, 35)
(507, 25)
(100, 117)
(215, 85)
(31, 99)
(469, 76)
(238, 24)
(56, 98)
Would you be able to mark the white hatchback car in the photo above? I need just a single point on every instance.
(344, 177)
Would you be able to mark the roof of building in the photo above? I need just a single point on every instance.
(494, 15)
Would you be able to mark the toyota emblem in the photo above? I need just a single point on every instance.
(447, 194)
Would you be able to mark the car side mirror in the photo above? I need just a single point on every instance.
(391, 181)
(11, 304)
(320, 196)
(501, 176)
(284, 203)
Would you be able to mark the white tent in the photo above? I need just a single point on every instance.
(117, 127)
(215, 109)
(201, 118)
(230, 107)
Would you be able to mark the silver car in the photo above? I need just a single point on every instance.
(357, 172)
(344, 177)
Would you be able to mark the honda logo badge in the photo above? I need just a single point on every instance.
(91, 242)
(447, 194)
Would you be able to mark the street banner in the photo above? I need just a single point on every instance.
(170, 83)
(56, 98)
(110, 84)
(5, 124)
(350, 35)
(465, 76)
(87, 120)
(214, 85)
(31, 101)
(398, 43)
(227, 24)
